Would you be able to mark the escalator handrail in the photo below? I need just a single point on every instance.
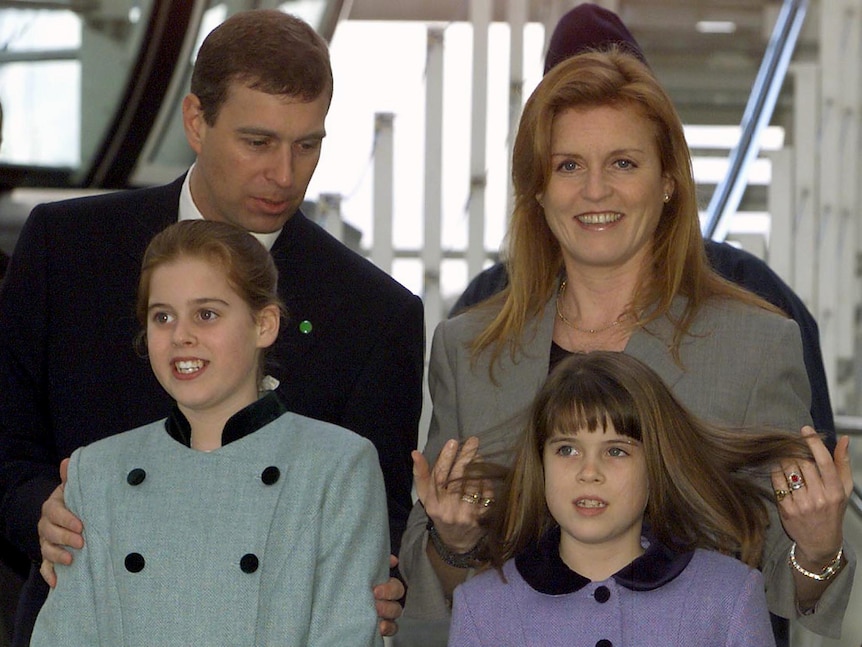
(758, 111)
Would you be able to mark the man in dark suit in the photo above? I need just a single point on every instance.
(351, 351)
(13, 563)
(588, 27)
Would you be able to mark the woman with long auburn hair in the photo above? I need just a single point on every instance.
(604, 253)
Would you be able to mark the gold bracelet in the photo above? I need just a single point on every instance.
(828, 571)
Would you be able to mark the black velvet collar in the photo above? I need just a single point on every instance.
(544, 570)
(245, 421)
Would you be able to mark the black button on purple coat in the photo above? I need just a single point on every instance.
(602, 594)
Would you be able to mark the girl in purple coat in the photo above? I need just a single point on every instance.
(624, 520)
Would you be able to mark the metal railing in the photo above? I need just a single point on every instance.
(758, 112)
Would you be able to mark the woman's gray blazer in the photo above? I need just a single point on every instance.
(741, 366)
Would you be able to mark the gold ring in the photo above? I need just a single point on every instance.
(780, 494)
(470, 498)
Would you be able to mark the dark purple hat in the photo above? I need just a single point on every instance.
(588, 27)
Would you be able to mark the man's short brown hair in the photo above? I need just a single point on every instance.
(266, 50)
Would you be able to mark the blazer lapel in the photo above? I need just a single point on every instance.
(529, 369)
(519, 379)
(651, 345)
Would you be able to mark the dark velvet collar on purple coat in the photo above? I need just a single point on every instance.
(544, 570)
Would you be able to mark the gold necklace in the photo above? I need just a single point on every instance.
(589, 331)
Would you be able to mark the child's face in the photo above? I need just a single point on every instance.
(596, 488)
(203, 339)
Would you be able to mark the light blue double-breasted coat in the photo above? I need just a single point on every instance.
(276, 538)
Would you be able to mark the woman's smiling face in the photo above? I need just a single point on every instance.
(606, 191)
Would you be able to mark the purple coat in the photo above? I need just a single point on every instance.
(662, 598)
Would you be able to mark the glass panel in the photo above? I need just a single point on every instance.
(39, 87)
(311, 11)
(62, 74)
(39, 128)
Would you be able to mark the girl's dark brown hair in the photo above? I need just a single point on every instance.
(706, 483)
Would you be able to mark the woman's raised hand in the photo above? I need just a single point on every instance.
(812, 497)
(452, 502)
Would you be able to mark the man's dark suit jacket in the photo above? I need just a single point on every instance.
(69, 374)
(742, 268)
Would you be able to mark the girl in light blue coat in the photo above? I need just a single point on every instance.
(233, 521)
(621, 517)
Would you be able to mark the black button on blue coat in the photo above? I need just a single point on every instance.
(134, 562)
(270, 475)
(249, 563)
(136, 476)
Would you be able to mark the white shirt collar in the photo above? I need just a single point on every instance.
(189, 211)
